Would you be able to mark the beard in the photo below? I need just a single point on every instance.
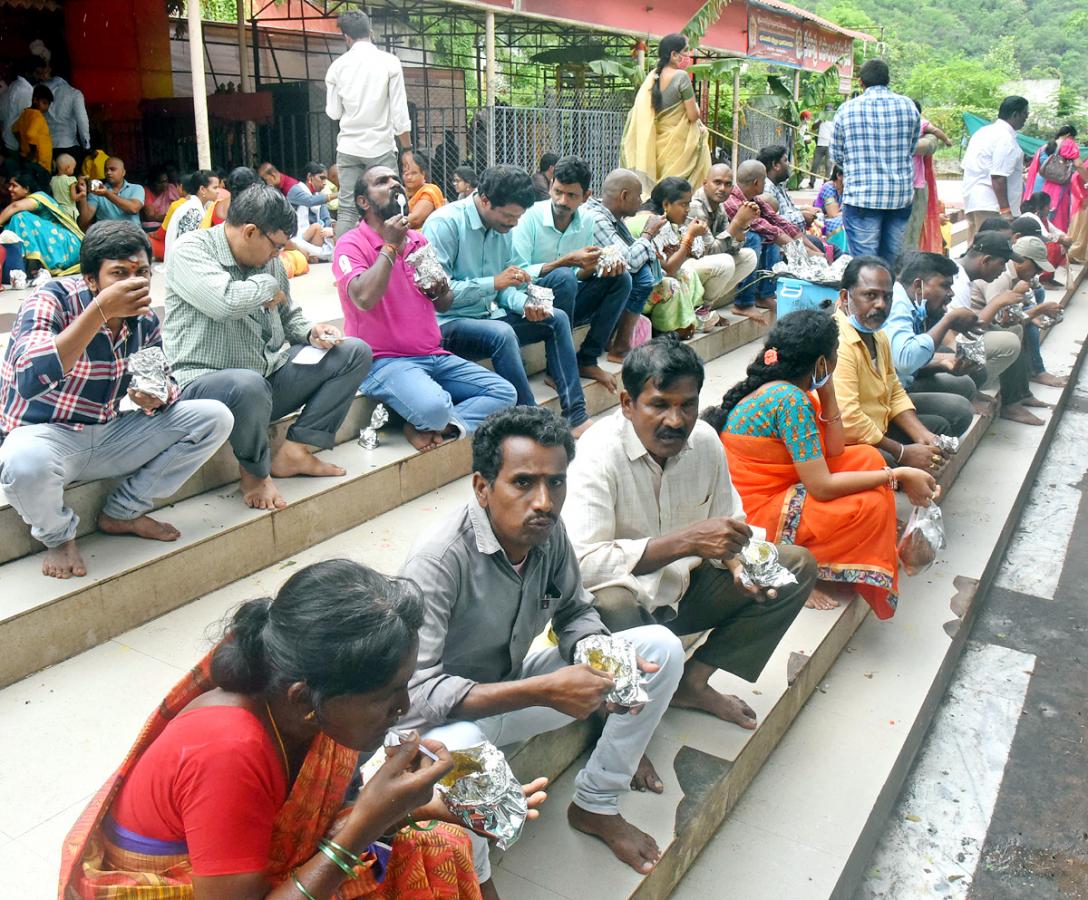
(391, 207)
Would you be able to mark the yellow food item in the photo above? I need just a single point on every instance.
(463, 764)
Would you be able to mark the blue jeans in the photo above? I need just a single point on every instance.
(757, 285)
(875, 232)
(642, 285)
(598, 301)
(431, 392)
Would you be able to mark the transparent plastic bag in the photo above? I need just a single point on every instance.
(922, 539)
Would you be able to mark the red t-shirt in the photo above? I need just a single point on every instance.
(213, 779)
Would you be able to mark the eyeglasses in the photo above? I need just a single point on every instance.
(278, 247)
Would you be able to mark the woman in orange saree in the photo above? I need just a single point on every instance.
(303, 684)
(782, 432)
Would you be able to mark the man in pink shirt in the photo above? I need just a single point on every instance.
(441, 396)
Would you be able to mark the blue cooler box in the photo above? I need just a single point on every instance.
(794, 294)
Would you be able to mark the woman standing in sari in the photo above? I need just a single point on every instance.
(49, 234)
(663, 135)
(236, 786)
(782, 431)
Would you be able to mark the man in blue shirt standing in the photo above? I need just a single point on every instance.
(489, 317)
(113, 199)
(555, 237)
(874, 139)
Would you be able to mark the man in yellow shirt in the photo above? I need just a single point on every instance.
(875, 407)
(32, 130)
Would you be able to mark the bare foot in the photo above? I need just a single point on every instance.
(617, 357)
(599, 375)
(1049, 380)
(260, 493)
(750, 312)
(724, 706)
(488, 891)
(141, 526)
(549, 381)
(64, 561)
(646, 777)
(1029, 400)
(1017, 413)
(294, 459)
(629, 844)
(767, 303)
(422, 440)
(820, 598)
(578, 430)
(984, 398)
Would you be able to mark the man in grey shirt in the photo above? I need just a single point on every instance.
(494, 577)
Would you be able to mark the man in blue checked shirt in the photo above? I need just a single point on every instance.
(489, 317)
(874, 139)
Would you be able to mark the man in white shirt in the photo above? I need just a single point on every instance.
(15, 98)
(993, 167)
(821, 159)
(365, 93)
(658, 528)
(67, 115)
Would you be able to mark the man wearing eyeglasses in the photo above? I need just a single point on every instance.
(233, 334)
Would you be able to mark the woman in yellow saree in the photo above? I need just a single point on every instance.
(663, 135)
(236, 786)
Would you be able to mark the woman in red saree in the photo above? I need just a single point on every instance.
(236, 786)
(782, 431)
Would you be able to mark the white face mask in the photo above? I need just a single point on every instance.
(817, 381)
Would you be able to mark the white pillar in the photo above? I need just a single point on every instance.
(489, 50)
(200, 90)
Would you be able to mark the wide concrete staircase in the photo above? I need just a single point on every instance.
(228, 553)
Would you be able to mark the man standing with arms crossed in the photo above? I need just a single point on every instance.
(365, 93)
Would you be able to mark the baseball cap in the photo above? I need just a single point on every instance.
(1033, 248)
(990, 243)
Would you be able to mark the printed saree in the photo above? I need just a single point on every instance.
(853, 537)
(49, 235)
(672, 303)
(422, 865)
(656, 145)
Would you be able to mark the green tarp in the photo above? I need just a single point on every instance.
(1028, 144)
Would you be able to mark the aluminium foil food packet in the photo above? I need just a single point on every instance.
(484, 794)
(616, 656)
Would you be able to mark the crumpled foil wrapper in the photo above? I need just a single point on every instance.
(1045, 321)
(799, 263)
(700, 246)
(540, 297)
(948, 443)
(761, 566)
(368, 437)
(427, 270)
(616, 656)
(150, 373)
(971, 349)
(667, 236)
(484, 794)
(1012, 315)
(612, 261)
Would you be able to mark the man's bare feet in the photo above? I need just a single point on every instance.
(1017, 413)
(422, 440)
(750, 312)
(64, 561)
(578, 430)
(614, 357)
(1029, 400)
(1049, 380)
(767, 303)
(821, 598)
(260, 493)
(724, 706)
(295, 459)
(629, 844)
(142, 526)
(599, 375)
(646, 778)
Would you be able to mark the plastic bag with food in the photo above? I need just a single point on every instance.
(922, 539)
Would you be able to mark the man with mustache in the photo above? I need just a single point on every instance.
(498, 574)
(441, 396)
(658, 528)
(874, 405)
(555, 238)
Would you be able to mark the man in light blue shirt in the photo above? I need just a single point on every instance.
(488, 318)
(555, 238)
(918, 322)
(116, 198)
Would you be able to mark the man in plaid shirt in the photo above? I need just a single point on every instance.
(61, 382)
(874, 139)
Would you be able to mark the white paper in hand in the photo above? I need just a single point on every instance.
(309, 356)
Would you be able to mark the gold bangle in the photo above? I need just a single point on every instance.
(98, 306)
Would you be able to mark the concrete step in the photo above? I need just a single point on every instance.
(131, 580)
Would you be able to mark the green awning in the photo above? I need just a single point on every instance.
(1028, 144)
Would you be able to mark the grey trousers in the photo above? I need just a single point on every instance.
(350, 168)
(324, 391)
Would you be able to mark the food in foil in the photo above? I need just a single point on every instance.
(948, 444)
(1012, 315)
(922, 539)
(799, 263)
(667, 236)
(971, 350)
(612, 261)
(700, 245)
(540, 297)
(1045, 321)
(616, 656)
(150, 373)
(368, 437)
(484, 794)
(761, 567)
(428, 273)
